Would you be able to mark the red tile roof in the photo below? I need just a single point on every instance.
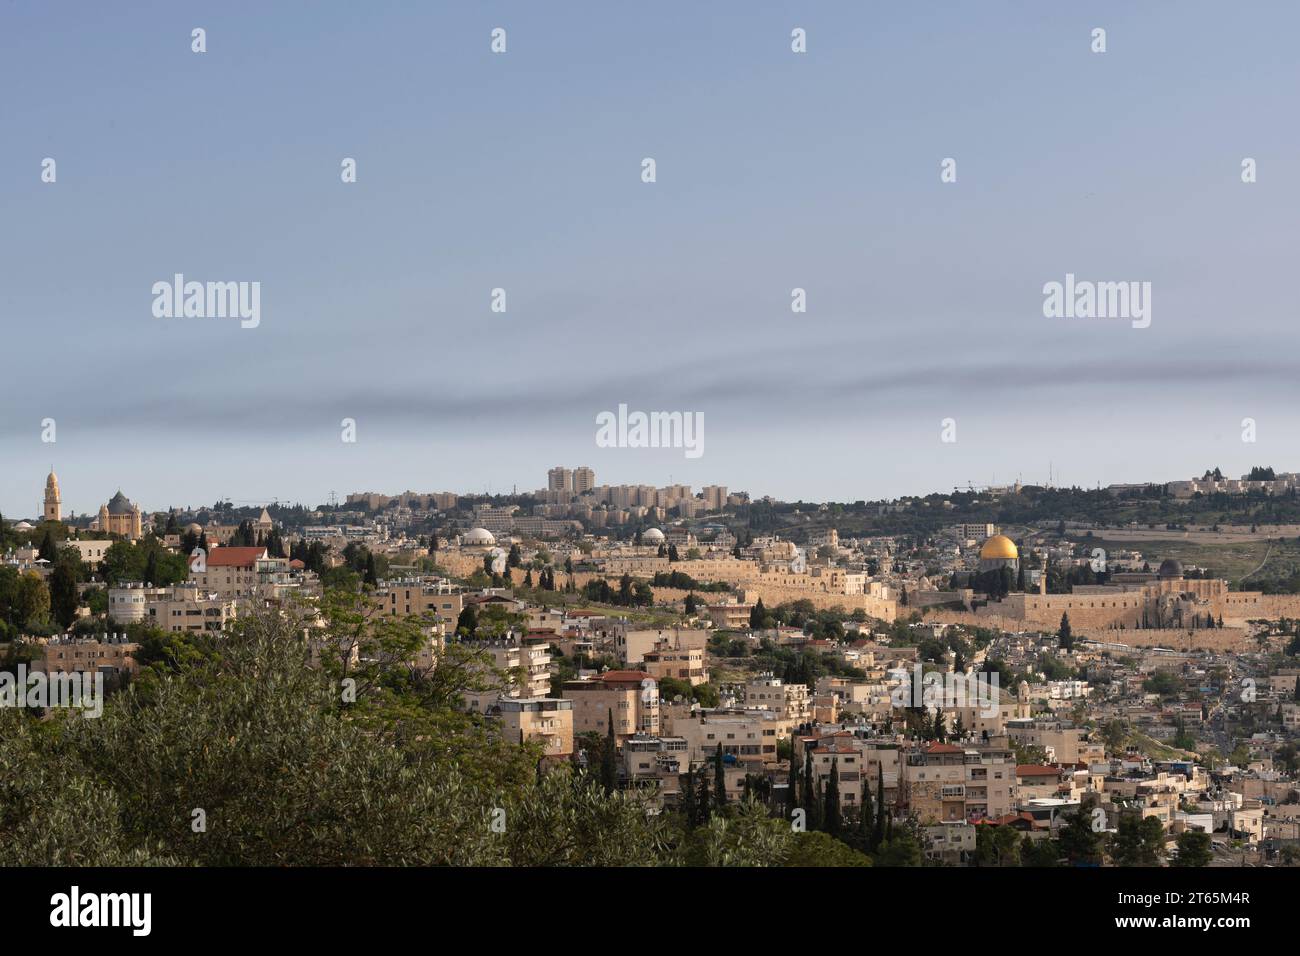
(1036, 770)
(938, 748)
(234, 557)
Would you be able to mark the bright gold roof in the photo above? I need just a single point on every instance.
(999, 548)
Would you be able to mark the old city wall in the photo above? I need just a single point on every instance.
(1213, 639)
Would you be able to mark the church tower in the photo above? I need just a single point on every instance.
(53, 500)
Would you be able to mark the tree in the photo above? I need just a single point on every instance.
(691, 604)
(878, 836)
(467, 621)
(703, 804)
(1039, 853)
(719, 780)
(865, 818)
(608, 767)
(997, 846)
(1137, 841)
(48, 550)
(31, 602)
(831, 815)
(1063, 633)
(672, 553)
(1193, 849)
(63, 594)
(792, 791)
(757, 615)
(1079, 841)
(686, 782)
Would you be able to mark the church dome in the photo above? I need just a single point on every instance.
(1169, 568)
(119, 505)
(478, 536)
(653, 536)
(999, 548)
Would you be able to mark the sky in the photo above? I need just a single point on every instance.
(523, 171)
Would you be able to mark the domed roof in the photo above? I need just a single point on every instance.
(478, 536)
(119, 505)
(1169, 568)
(52, 481)
(23, 526)
(654, 535)
(194, 527)
(999, 548)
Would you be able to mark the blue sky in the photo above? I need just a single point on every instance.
(522, 171)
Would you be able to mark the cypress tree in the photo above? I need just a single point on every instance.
(792, 796)
(832, 812)
(47, 550)
(878, 837)
(865, 821)
(719, 780)
(688, 799)
(702, 802)
(608, 770)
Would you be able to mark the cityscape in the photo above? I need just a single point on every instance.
(580, 454)
(1006, 676)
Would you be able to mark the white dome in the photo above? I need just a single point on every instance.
(478, 536)
(653, 536)
(22, 526)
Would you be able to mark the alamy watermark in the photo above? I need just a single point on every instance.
(939, 691)
(82, 690)
(179, 299)
(1084, 299)
(626, 429)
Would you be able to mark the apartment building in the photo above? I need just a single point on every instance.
(944, 783)
(69, 654)
(183, 608)
(545, 719)
(527, 667)
(687, 664)
(1062, 741)
(422, 598)
(728, 617)
(92, 552)
(790, 701)
(750, 736)
(243, 572)
(632, 644)
(631, 696)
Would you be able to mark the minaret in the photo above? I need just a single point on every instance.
(53, 500)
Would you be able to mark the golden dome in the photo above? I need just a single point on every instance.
(999, 548)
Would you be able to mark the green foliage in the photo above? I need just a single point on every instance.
(124, 561)
(1193, 849)
(1138, 841)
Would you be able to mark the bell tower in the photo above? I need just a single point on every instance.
(53, 500)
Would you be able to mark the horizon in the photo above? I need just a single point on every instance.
(72, 511)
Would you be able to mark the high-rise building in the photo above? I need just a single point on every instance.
(715, 497)
(53, 510)
(584, 479)
(559, 478)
